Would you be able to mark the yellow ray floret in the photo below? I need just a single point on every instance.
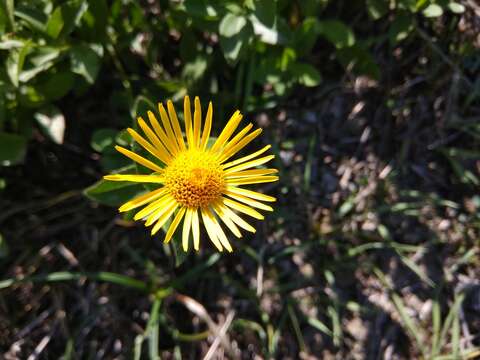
(194, 182)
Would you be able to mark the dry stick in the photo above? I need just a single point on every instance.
(221, 333)
(199, 310)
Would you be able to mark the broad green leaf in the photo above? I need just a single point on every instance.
(8, 44)
(94, 21)
(85, 62)
(15, 61)
(410, 5)
(306, 35)
(12, 148)
(266, 34)
(306, 74)
(52, 122)
(456, 8)
(400, 28)
(194, 70)
(377, 8)
(57, 85)
(232, 25)
(202, 8)
(359, 59)
(32, 17)
(337, 33)
(235, 32)
(54, 87)
(432, 11)
(40, 59)
(265, 11)
(65, 17)
(103, 139)
(7, 20)
(114, 193)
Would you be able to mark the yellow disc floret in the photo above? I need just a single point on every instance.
(195, 178)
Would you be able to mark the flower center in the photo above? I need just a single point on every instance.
(195, 178)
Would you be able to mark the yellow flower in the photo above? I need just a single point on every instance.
(197, 180)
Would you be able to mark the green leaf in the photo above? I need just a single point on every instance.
(12, 148)
(85, 62)
(377, 8)
(52, 122)
(7, 20)
(306, 35)
(202, 9)
(103, 139)
(433, 11)
(54, 87)
(337, 33)
(410, 5)
(400, 28)
(32, 18)
(359, 59)
(65, 17)
(306, 74)
(114, 193)
(235, 31)
(40, 59)
(8, 44)
(265, 11)
(456, 8)
(194, 70)
(57, 85)
(14, 63)
(94, 21)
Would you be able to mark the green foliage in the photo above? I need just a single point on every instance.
(247, 54)
(45, 53)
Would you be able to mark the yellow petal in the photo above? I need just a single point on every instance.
(142, 199)
(246, 158)
(249, 201)
(210, 229)
(163, 155)
(242, 208)
(251, 173)
(237, 137)
(252, 180)
(167, 126)
(176, 124)
(147, 210)
(241, 144)
(195, 230)
(250, 164)
(197, 121)
(187, 114)
(207, 128)
(187, 224)
(250, 194)
(237, 219)
(154, 140)
(166, 141)
(152, 179)
(219, 232)
(139, 159)
(227, 131)
(155, 215)
(174, 224)
(227, 221)
(163, 219)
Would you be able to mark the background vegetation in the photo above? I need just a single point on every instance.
(373, 110)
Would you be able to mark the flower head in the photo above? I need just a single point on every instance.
(197, 181)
